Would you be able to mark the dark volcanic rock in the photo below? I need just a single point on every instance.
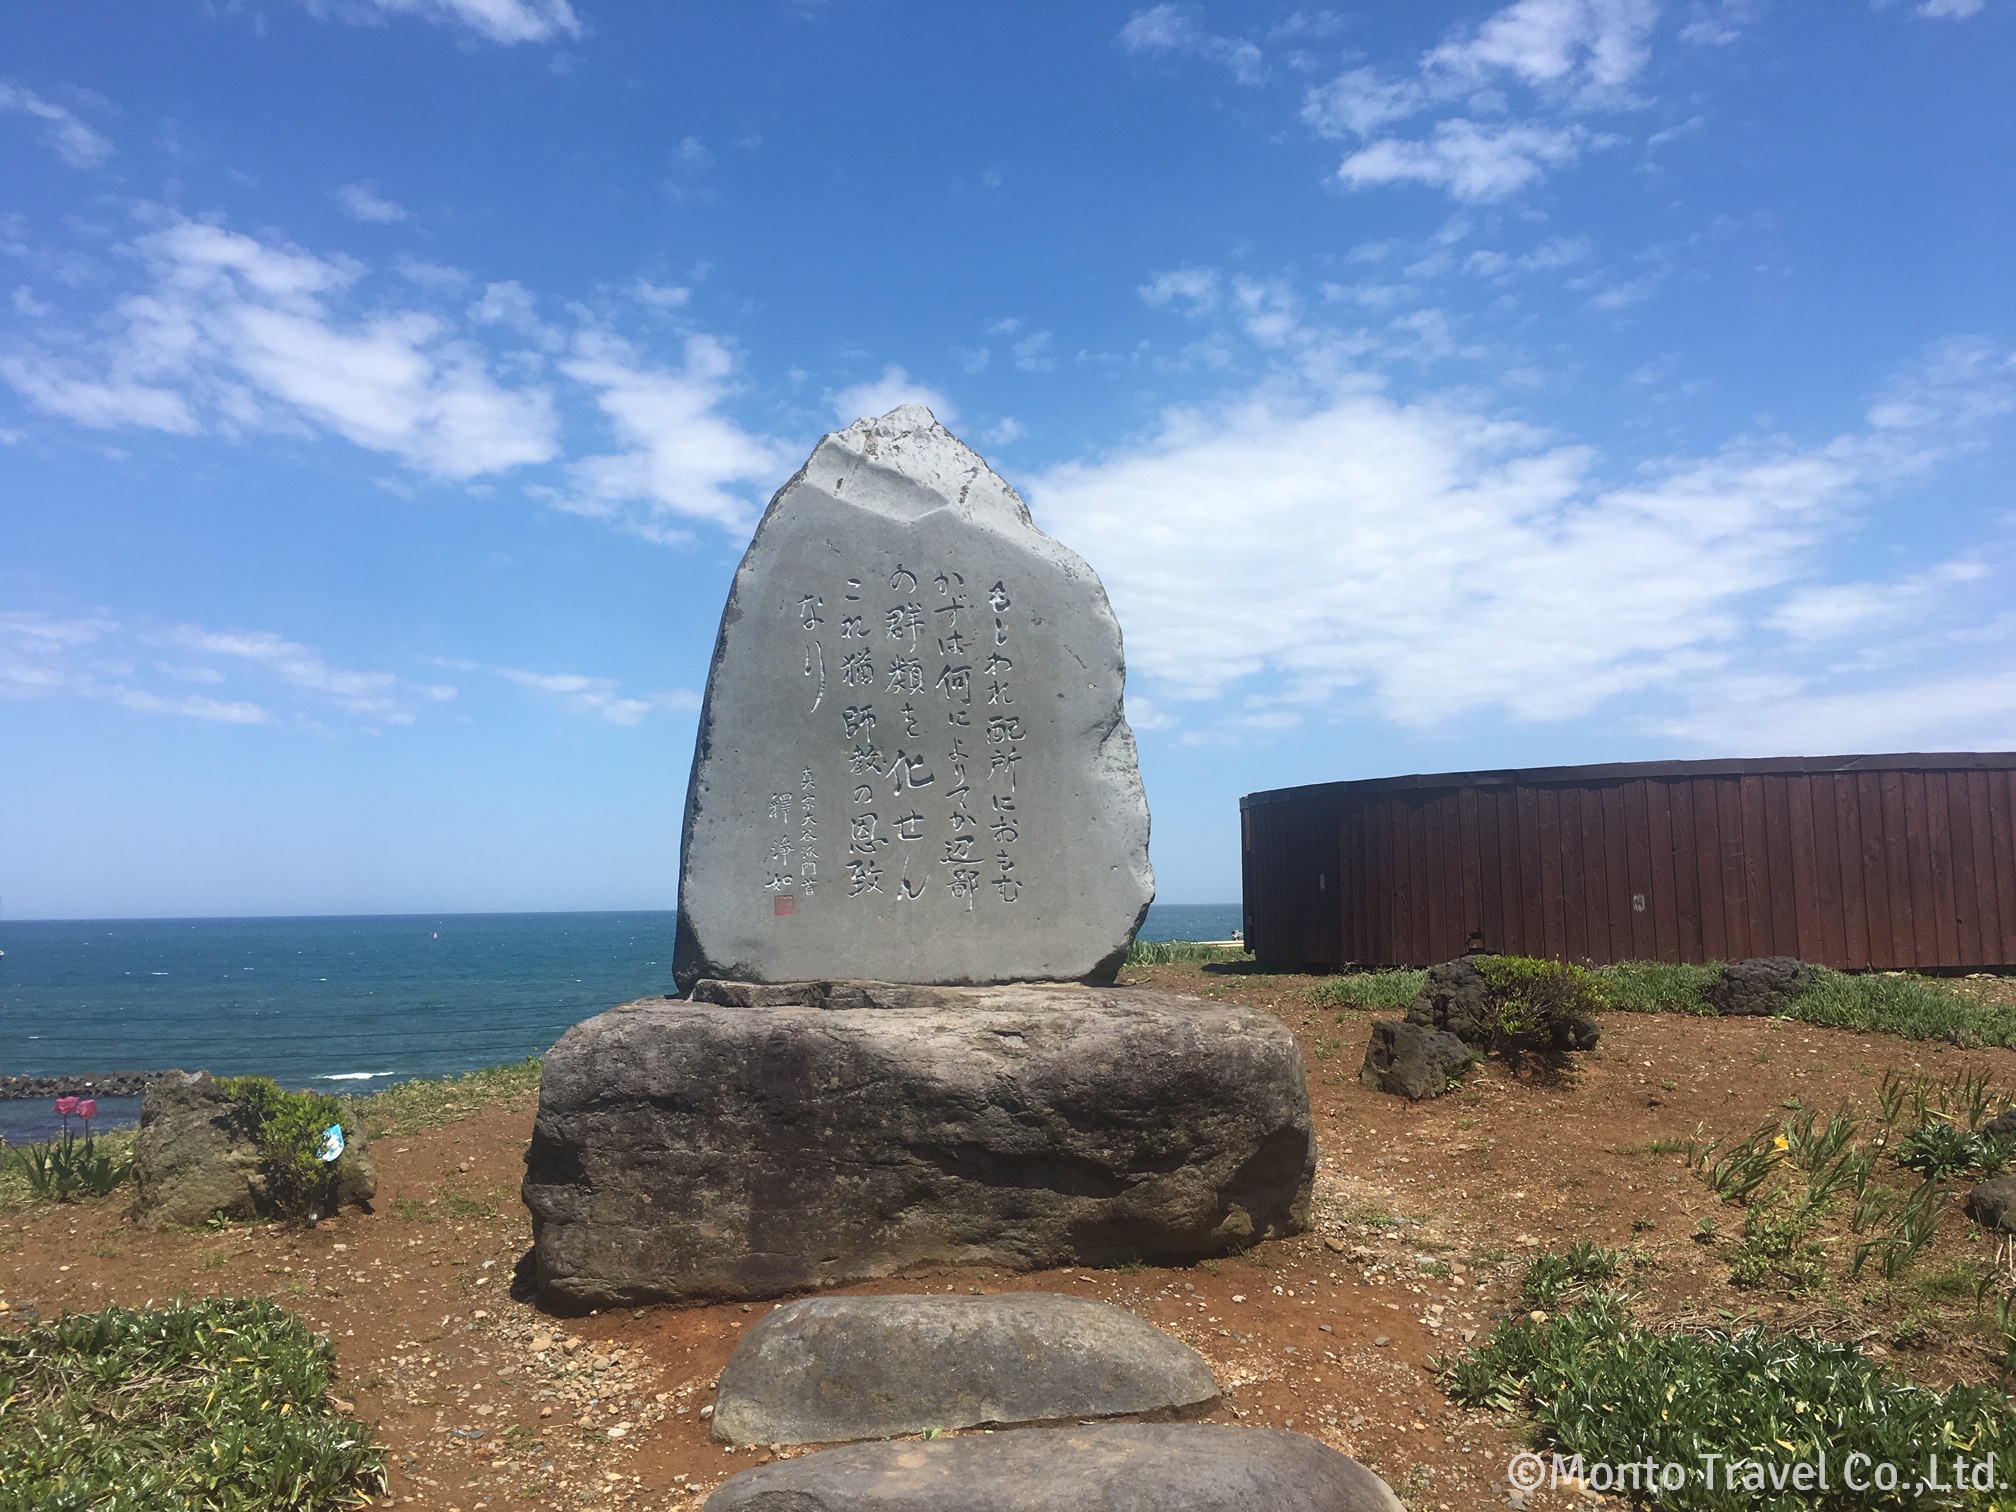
(1992, 1204)
(693, 1150)
(1452, 1000)
(1118, 1467)
(1406, 1058)
(1759, 987)
(197, 1157)
(827, 1369)
(106, 1084)
(2001, 1126)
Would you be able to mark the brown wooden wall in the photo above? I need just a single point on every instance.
(1850, 861)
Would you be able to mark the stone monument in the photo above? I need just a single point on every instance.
(915, 853)
(912, 763)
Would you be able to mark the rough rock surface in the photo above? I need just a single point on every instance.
(2001, 1126)
(912, 762)
(196, 1156)
(1414, 1061)
(1992, 1204)
(688, 1149)
(1452, 999)
(827, 1369)
(1759, 987)
(1116, 1467)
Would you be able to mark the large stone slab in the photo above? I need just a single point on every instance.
(912, 762)
(826, 1369)
(690, 1149)
(1119, 1467)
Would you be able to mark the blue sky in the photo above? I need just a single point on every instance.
(388, 388)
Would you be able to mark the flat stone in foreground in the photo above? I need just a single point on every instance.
(1121, 1467)
(828, 1369)
(695, 1150)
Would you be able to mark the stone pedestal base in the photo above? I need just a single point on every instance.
(746, 1147)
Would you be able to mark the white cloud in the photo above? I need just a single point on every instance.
(681, 454)
(1573, 55)
(1032, 353)
(1474, 163)
(367, 694)
(1195, 289)
(360, 202)
(1007, 431)
(659, 296)
(1432, 559)
(242, 331)
(600, 696)
(1172, 28)
(1595, 45)
(76, 143)
(1829, 611)
(98, 657)
(1951, 10)
(506, 21)
(894, 387)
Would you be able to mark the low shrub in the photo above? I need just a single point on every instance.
(289, 1128)
(221, 1405)
(1532, 1003)
(1597, 1384)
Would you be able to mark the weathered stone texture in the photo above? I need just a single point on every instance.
(912, 762)
(1117, 1467)
(689, 1149)
(196, 1156)
(1760, 986)
(1411, 1060)
(828, 1369)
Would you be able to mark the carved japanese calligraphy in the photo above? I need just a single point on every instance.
(1025, 809)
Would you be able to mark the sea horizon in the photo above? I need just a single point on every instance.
(340, 1002)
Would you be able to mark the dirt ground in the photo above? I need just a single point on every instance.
(1424, 1214)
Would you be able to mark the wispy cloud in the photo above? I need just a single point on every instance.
(1175, 29)
(264, 678)
(239, 334)
(506, 21)
(681, 455)
(76, 143)
(881, 395)
(600, 696)
(1305, 544)
(1570, 56)
(362, 202)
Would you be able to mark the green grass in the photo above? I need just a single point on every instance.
(1903, 1004)
(415, 1105)
(16, 1190)
(1180, 953)
(1379, 991)
(220, 1405)
(1596, 1383)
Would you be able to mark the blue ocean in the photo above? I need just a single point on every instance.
(345, 1004)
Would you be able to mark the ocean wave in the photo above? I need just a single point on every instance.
(354, 1075)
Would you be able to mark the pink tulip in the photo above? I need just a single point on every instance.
(88, 1108)
(65, 1106)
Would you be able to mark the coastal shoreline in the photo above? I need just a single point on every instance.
(105, 1084)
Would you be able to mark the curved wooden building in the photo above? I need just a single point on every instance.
(1846, 861)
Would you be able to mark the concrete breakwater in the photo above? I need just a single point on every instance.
(109, 1084)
